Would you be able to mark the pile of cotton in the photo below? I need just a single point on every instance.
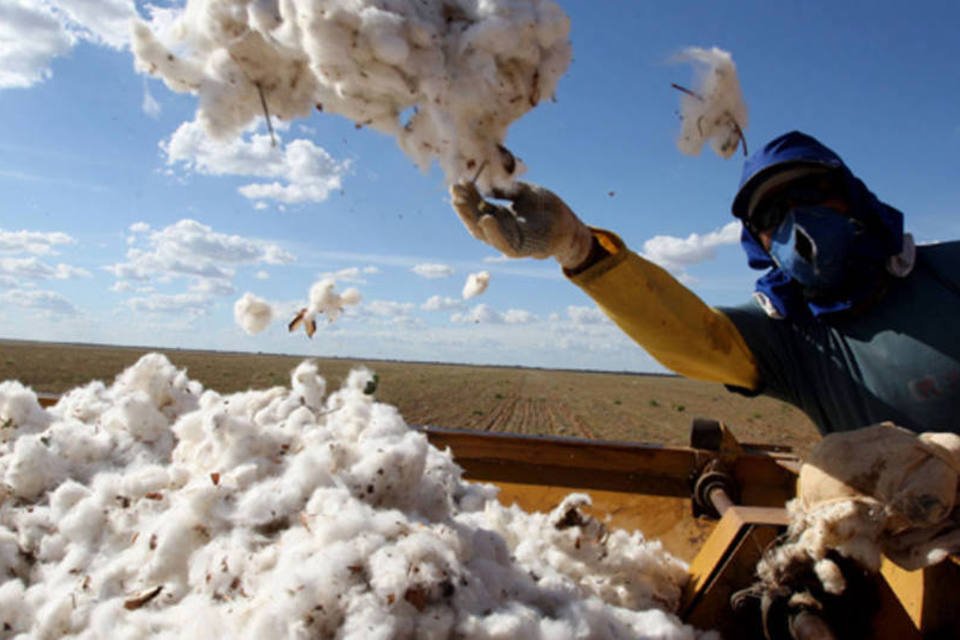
(155, 508)
(444, 77)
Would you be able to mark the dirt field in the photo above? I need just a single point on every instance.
(644, 408)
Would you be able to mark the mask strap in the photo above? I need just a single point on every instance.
(901, 264)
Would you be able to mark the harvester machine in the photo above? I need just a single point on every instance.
(717, 504)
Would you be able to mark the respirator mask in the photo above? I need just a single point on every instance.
(815, 241)
(817, 247)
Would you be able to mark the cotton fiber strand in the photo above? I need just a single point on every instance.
(253, 314)
(476, 284)
(715, 111)
(155, 508)
(444, 77)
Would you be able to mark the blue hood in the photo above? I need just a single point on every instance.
(883, 222)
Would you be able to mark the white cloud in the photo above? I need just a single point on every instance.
(34, 269)
(192, 304)
(33, 33)
(484, 314)
(190, 248)
(480, 314)
(35, 242)
(432, 270)
(139, 227)
(586, 315)
(261, 275)
(39, 300)
(440, 303)
(352, 274)
(519, 316)
(301, 171)
(213, 287)
(30, 37)
(388, 308)
(105, 22)
(676, 253)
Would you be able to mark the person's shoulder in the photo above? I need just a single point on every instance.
(753, 308)
(940, 251)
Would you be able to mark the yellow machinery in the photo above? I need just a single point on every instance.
(717, 504)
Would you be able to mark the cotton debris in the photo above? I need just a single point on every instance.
(252, 313)
(154, 508)
(324, 300)
(444, 77)
(714, 110)
(476, 284)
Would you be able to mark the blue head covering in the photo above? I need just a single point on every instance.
(884, 224)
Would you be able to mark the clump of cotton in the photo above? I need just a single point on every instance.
(20, 411)
(324, 300)
(153, 507)
(714, 110)
(476, 284)
(252, 313)
(446, 78)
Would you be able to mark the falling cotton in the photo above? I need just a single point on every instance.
(714, 110)
(154, 508)
(444, 77)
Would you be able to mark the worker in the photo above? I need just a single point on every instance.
(850, 322)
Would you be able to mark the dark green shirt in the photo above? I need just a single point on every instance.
(899, 360)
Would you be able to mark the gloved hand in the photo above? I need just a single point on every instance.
(536, 224)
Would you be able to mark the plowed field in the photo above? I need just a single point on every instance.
(613, 406)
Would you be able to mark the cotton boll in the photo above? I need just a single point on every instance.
(81, 445)
(11, 560)
(306, 383)
(476, 284)
(253, 314)
(716, 110)
(136, 415)
(323, 299)
(84, 404)
(65, 497)
(33, 467)
(13, 610)
(167, 387)
(84, 522)
(20, 412)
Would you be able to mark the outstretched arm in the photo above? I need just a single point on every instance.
(668, 320)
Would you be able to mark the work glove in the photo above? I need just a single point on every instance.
(877, 491)
(537, 223)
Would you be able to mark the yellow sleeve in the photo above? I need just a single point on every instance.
(664, 317)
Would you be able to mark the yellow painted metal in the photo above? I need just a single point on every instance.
(726, 564)
(931, 596)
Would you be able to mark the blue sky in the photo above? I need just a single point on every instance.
(113, 230)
